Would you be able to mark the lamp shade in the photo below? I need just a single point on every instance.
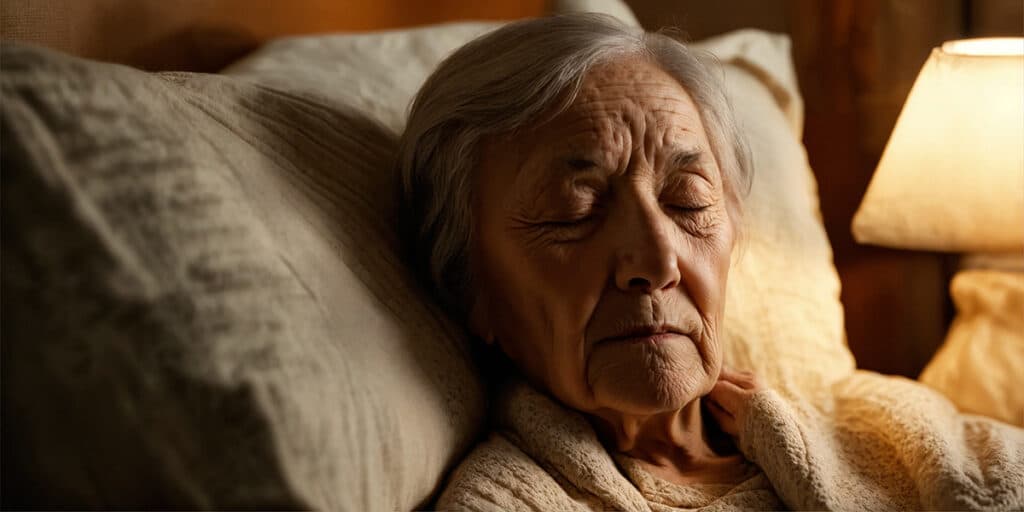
(952, 175)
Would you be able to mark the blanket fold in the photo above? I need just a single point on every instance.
(877, 442)
(870, 442)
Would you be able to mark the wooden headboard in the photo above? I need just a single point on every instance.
(206, 35)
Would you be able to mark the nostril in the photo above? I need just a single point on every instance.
(639, 282)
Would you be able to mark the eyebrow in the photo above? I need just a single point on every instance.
(685, 158)
(680, 159)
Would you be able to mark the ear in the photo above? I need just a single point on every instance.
(480, 322)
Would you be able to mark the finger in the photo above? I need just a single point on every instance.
(725, 420)
(728, 395)
(750, 379)
(743, 378)
(730, 374)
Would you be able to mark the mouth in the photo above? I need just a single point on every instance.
(645, 334)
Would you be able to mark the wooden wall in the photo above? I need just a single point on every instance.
(205, 35)
(856, 61)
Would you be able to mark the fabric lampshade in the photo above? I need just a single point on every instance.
(952, 175)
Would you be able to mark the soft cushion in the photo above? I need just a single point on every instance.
(203, 302)
(783, 315)
(980, 364)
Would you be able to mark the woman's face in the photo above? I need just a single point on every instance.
(602, 246)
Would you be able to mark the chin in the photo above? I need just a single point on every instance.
(648, 379)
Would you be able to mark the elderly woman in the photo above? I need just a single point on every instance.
(574, 188)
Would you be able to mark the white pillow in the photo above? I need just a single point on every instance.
(209, 308)
(783, 316)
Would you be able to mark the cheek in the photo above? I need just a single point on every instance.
(539, 302)
(709, 265)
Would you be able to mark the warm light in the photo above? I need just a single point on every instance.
(952, 175)
(991, 46)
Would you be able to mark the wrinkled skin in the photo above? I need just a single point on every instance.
(601, 254)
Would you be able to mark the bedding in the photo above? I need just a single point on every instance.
(208, 278)
(870, 443)
(204, 305)
(979, 365)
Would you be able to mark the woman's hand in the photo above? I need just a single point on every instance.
(730, 397)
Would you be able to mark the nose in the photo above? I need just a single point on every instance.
(647, 259)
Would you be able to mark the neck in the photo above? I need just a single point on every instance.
(675, 439)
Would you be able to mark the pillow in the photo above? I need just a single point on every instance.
(783, 315)
(979, 366)
(204, 305)
(783, 318)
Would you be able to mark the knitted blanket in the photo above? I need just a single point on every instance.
(867, 442)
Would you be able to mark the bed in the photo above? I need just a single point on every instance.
(207, 274)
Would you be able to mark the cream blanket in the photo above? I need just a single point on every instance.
(867, 442)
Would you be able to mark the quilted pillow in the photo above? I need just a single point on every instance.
(203, 302)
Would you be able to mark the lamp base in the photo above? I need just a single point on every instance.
(979, 364)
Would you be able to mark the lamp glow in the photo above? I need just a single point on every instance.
(951, 177)
(989, 46)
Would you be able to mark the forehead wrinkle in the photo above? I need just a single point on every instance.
(591, 131)
(625, 115)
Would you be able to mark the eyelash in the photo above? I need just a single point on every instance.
(687, 209)
(571, 226)
(580, 163)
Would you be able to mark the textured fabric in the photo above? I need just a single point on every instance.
(375, 73)
(884, 443)
(783, 318)
(980, 365)
(871, 443)
(203, 302)
(546, 457)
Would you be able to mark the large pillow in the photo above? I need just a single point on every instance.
(203, 302)
(783, 315)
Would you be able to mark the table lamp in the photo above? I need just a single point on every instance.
(951, 178)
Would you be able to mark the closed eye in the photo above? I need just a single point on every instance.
(567, 222)
(569, 229)
(580, 164)
(687, 208)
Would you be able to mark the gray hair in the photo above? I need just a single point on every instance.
(516, 76)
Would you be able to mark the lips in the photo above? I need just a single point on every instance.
(644, 334)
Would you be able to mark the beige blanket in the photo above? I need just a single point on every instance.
(869, 442)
